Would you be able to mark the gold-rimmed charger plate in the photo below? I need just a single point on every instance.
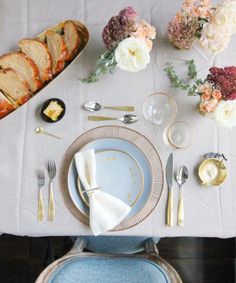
(136, 143)
(119, 174)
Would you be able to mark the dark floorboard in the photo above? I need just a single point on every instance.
(198, 260)
(201, 260)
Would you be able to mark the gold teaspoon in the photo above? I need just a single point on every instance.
(40, 130)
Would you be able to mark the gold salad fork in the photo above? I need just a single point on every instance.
(41, 181)
(51, 167)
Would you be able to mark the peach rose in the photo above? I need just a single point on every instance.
(216, 94)
(208, 106)
(206, 95)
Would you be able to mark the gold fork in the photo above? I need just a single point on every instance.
(41, 181)
(51, 167)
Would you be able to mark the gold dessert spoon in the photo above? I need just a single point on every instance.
(40, 130)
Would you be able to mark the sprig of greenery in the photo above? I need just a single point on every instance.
(174, 79)
(106, 63)
(192, 69)
(179, 83)
(201, 22)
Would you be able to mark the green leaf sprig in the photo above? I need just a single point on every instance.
(106, 63)
(201, 23)
(180, 83)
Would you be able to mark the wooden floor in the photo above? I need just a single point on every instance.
(198, 260)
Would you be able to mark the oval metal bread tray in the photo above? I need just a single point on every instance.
(84, 37)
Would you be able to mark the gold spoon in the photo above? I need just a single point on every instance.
(40, 130)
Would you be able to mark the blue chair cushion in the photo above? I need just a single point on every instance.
(116, 244)
(109, 270)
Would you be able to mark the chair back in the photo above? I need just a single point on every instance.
(89, 267)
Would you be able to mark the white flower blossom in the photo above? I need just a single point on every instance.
(225, 114)
(225, 15)
(132, 54)
(214, 39)
(217, 33)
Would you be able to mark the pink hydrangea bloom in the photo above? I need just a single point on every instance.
(126, 14)
(119, 27)
(186, 25)
(182, 31)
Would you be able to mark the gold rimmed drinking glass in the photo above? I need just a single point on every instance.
(160, 109)
(179, 135)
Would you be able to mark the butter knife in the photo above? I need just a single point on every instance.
(169, 179)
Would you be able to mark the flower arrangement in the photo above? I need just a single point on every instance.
(128, 44)
(217, 92)
(210, 26)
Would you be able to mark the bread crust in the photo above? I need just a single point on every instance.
(47, 72)
(27, 94)
(37, 82)
(5, 105)
(71, 53)
(60, 64)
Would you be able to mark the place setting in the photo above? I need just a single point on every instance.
(111, 168)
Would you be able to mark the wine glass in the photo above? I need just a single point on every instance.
(160, 109)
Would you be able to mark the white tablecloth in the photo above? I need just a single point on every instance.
(208, 212)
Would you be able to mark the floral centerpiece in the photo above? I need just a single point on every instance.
(128, 44)
(211, 27)
(217, 91)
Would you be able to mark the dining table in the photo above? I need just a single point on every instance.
(209, 212)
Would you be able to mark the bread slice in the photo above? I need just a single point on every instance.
(57, 49)
(6, 106)
(24, 66)
(38, 52)
(71, 38)
(12, 85)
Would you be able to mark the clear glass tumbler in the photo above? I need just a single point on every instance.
(179, 135)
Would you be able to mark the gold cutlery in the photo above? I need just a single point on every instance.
(40, 130)
(41, 181)
(94, 106)
(181, 178)
(127, 119)
(51, 167)
(169, 179)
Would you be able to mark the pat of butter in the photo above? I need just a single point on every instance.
(53, 110)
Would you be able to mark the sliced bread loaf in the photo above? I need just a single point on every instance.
(71, 38)
(38, 52)
(24, 66)
(5, 105)
(57, 49)
(12, 85)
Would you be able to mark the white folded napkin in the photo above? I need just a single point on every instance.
(106, 211)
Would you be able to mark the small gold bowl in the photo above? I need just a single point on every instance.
(212, 172)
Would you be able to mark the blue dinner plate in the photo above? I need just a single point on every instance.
(118, 174)
(136, 157)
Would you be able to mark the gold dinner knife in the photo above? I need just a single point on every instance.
(169, 179)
